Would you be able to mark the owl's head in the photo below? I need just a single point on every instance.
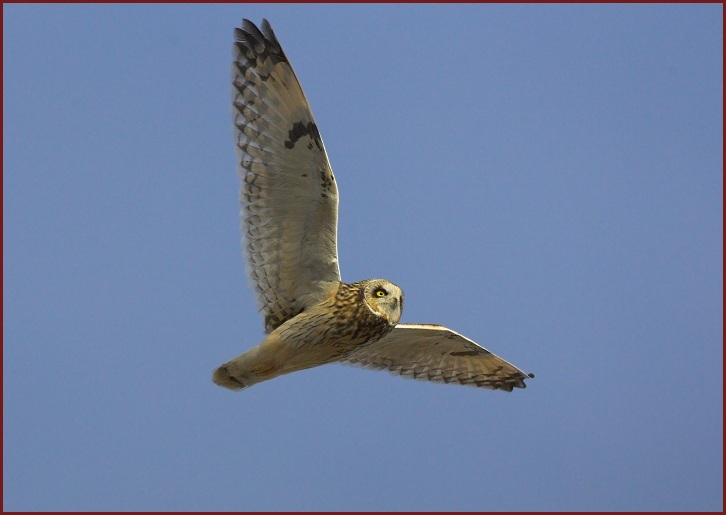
(384, 299)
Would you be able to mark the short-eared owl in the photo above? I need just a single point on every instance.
(290, 215)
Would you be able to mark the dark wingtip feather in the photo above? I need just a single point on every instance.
(250, 36)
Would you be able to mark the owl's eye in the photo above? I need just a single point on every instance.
(380, 292)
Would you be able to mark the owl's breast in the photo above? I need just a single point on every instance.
(358, 326)
(334, 327)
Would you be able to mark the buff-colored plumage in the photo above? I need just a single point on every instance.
(290, 216)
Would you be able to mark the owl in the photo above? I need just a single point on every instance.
(289, 214)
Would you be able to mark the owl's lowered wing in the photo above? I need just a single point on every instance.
(289, 196)
(436, 353)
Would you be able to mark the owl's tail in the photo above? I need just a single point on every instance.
(254, 366)
(234, 381)
(271, 358)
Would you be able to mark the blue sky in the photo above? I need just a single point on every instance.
(544, 179)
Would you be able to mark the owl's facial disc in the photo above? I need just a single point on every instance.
(386, 299)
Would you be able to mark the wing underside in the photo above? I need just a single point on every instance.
(438, 354)
(289, 197)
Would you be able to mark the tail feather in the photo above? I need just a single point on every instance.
(266, 361)
(254, 366)
(223, 377)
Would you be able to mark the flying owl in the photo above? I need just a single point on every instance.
(289, 220)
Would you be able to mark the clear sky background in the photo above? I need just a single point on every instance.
(546, 180)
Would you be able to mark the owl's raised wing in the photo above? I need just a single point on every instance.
(289, 196)
(436, 353)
